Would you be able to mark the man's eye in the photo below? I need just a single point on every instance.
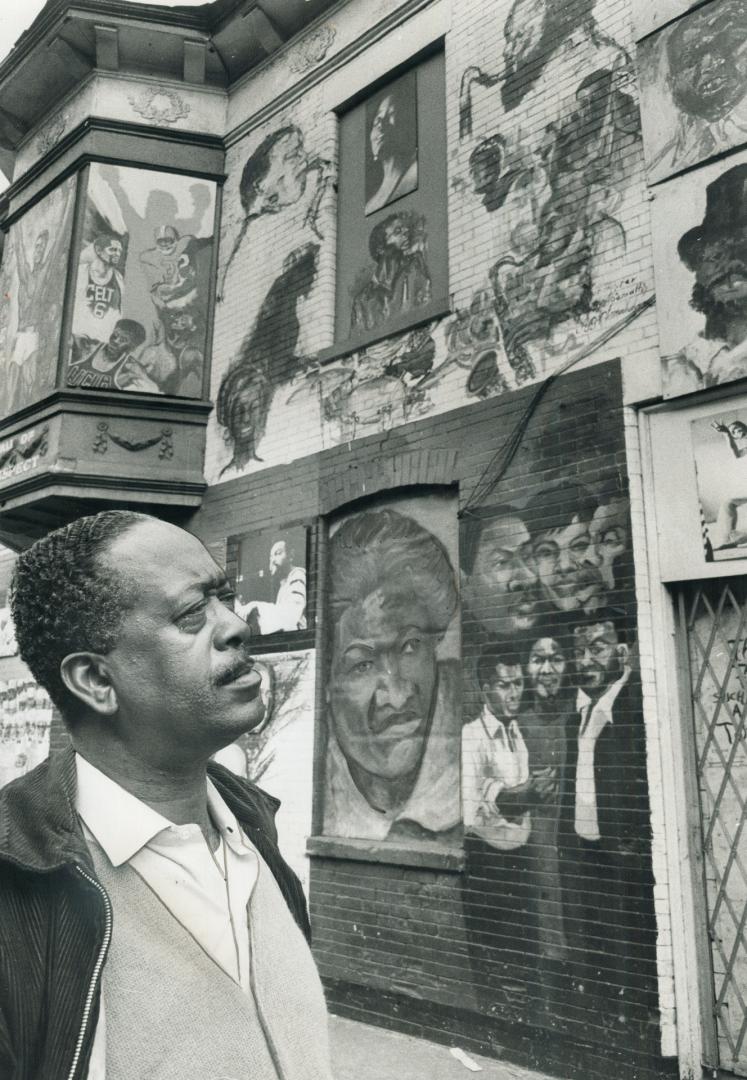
(362, 667)
(193, 618)
(228, 598)
(411, 645)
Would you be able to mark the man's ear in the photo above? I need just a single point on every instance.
(623, 653)
(86, 675)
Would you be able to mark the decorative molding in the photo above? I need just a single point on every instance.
(312, 49)
(51, 133)
(164, 438)
(159, 105)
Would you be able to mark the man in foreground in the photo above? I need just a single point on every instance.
(148, 924)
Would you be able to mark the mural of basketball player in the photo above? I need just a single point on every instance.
(100, 287)
(96, 365)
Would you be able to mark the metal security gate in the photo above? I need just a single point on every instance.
(714, 616)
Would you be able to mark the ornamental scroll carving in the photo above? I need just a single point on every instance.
(164, 441)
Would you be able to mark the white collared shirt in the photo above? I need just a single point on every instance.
(494, 757)
(594, 719)
(207, 892)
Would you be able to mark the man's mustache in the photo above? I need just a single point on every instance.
(242, 665)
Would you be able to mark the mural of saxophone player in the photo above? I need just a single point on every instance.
(267, 357)
(534, 32)
(276, 176)
(399, 279)
(393, 706)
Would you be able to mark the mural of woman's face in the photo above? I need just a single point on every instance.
(382, 127)
(382, 686)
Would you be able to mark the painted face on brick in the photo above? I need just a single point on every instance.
(502, 586)
(383, 686)
(546, 668)
(598, 656)
(567, 567)
(504, 690)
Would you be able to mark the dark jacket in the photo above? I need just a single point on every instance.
(55, 917)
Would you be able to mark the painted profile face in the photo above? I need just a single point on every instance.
(546, 667)
(285, 180)
(598, 656)
(502, 585)
(382, 127)
(567, 567)
(278, 557)
(503, 691)
(382, 687)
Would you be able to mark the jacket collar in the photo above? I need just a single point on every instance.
(40, 830)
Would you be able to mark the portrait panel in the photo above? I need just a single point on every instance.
(270, 579)
(699, 227)
(25, 717)
(694, 87)
(392, 674)
(391, 146)
(143, 283)
(719, 443)
(34, 273)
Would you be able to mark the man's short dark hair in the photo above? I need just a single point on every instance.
(381, 549)
(622, 621)
(65, 599)
(474, 524)
(103, 240)
(557, 505)
(134, 330)
(492, 653)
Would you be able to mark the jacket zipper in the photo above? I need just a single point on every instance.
(96, 970)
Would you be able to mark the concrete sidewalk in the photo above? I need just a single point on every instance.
(363, 1052)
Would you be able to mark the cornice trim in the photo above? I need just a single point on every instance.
(100, 403)
(319, 74)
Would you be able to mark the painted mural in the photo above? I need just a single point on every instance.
(271, 580)
(275, 177)
(8, 643)
(700, 258)
(391, 147)
(279, 755)
(267, 357)
(25, 717)
(398, 279)
(142, 287)
(718, 448)
(693, 77)
(558, 882)
(393, 692)
(32, 290)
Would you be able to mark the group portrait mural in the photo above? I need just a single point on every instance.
(700, 257)
(32, 293)
(142, 283)
(485, 696)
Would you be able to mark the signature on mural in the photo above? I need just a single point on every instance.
(267, 357)
(392, 704)
(399, 279)
(275, 176)
(715, 252)
(698, 65)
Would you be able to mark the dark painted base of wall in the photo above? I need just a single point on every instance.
(529, 1047)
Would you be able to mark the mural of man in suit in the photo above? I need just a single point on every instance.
(604, 830)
